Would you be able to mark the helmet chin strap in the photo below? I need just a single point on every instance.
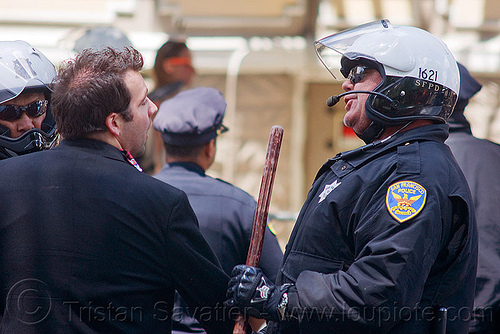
(372, 132)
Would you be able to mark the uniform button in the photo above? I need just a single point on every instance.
(344, 167)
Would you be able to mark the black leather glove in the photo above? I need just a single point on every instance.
(254, 294)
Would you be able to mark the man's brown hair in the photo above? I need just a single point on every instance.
(91, 87)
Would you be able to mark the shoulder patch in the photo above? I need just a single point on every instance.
(405, 199)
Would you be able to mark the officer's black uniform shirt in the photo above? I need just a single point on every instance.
(384, 235)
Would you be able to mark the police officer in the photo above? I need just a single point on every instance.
(189, 124)
(387, 234)
(26, 122)
(480, 162)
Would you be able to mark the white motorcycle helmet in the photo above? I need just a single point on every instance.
(420, 78)
(25, 69)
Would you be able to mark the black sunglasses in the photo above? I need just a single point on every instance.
(34, 109)
(357, 73)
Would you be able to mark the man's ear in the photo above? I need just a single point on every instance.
(113, 123)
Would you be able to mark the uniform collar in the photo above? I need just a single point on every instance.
(432, 132)
(190, 166)
(350, 160)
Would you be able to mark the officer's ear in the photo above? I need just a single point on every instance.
(209, 150)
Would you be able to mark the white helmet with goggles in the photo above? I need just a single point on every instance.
(420, 78)
(25, 69)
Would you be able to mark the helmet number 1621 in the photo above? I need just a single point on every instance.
(427, 74)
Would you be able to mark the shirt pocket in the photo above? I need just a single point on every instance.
(298, 262)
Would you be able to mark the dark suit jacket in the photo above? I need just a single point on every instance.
(89, 244)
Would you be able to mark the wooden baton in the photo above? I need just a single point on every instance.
(262, 209)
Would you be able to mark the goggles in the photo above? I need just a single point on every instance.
(34, 109)
(357, 74)
(180, 61)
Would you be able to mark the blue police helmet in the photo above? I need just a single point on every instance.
(192, 117)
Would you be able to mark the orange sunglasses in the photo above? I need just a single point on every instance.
(180, 61)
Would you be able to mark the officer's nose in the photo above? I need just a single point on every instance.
(347, 85)
(23, 124)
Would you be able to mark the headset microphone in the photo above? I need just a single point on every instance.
(333, 100)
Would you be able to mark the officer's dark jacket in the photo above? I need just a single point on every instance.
(479, 159)
(88, 244)
(225, 214)
(364, 258)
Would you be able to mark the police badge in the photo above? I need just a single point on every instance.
(405, 199)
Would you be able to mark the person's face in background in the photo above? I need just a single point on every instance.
(25, 123)
(180, 68)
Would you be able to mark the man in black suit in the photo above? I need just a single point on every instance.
(88, 243)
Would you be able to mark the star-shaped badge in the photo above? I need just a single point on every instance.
(328, 189)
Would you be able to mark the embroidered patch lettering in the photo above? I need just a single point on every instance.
(405, 199)
(328, 189)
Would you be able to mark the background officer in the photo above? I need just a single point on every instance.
(387, 233)
(26, 122)
(190, 123)
(479, 159)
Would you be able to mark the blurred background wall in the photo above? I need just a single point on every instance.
(260, 54)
